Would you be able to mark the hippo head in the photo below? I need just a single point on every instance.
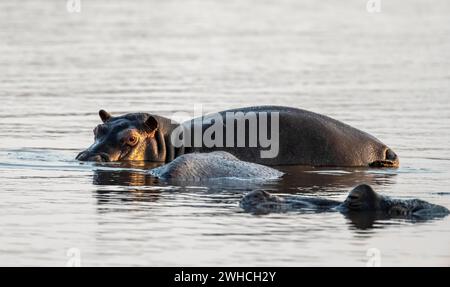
(259, 197)
(363, 198)
(260, 202)
(123, 138)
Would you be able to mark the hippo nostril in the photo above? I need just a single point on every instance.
(390, 155)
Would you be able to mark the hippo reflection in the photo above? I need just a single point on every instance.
(120, 186)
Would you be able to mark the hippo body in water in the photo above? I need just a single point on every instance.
(362, 199)
(298, 137)
(305, 138)
(213, 165)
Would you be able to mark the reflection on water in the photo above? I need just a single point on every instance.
(304, 179)
(386, 73)
(123, 178)
(133, 179)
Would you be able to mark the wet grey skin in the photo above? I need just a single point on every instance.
(305, 138)
(362, 199)
(213, 165)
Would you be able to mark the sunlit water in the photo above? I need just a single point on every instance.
(387, 73)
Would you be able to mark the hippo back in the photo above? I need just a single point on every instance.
(201, 166)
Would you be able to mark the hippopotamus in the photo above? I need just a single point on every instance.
(213, 165)
(268, 135)
(362, 199)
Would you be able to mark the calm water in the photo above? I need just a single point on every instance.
(387, 73)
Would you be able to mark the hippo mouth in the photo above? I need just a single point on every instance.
(103, 156)
(384, 163)
(99, 157)
(391, 160)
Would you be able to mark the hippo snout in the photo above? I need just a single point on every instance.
(97, 157)
(390, 160)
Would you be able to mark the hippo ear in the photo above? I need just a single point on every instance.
(151, 123)
(104, 115)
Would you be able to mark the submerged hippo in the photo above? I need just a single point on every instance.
(286, 136)
(213, 165)
(362, 199)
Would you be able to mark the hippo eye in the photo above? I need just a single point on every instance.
(132, 140)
